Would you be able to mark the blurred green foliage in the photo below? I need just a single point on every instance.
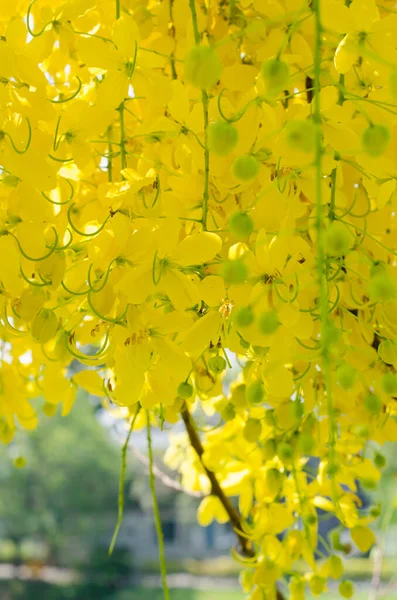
(69, 483)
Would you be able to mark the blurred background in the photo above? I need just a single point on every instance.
(58, 513)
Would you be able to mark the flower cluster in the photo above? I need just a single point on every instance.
(187, 184)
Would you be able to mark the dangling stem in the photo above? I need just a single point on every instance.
(204, 96)
(204, 99)
(157, 519)
(122, 481)
(122, 138)
(121, 109)
(321, 258)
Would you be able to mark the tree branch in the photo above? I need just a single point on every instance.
(245, 545)
(216, 490)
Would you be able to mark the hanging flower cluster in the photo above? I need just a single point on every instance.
(185, 184)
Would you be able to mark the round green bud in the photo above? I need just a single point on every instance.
(50, 409)
(375, 511)
(335, 566)
(252, 430)
(346, 589)
(335, 539)
(317, 584)
(387, 351)
(345, 376)
(310, 519)
(375, 139)
(380, 460)
(20, 462)
(244, 317)
(274, 481)
(241, 225)
(234, 272)
(229, 412)
(372, 403)
(255, 392)
(202, 67)
(306, 443)
(275, 73)
(44, 326)
(382, 288)
(338, 239)
(245, 167)
(369, 484)
(238, 395)
(331, 335)
(268, 322)
(285, 451)
(222, 137)
(297, 586)
(269, 449)
(360, 430)
(389, 383)
(217, 364)
(185, 390)
(301, 135)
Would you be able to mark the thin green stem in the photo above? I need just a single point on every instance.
(206, 160)
(118, 9)
(157, 519)
(322, 267)
(122, 482)
(123, 153)
(331, 212)
(204, 99)
(192, 5)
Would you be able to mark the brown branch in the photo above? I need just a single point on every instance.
(216, 490)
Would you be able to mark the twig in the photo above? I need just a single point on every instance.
(163, 477)
(216, 489)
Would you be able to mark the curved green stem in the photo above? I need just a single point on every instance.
(82, 232)
(104, 280)
(157, 518)
(240, 113)
(72, 293)
(66, 201)
(61, 160)
(8, 325)
(88, 358)
(30, 282)
(32, 33)
(122, 482)
(76, 93)
(6, 134)
(69, 243)
(36, 259)
(116, 320)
